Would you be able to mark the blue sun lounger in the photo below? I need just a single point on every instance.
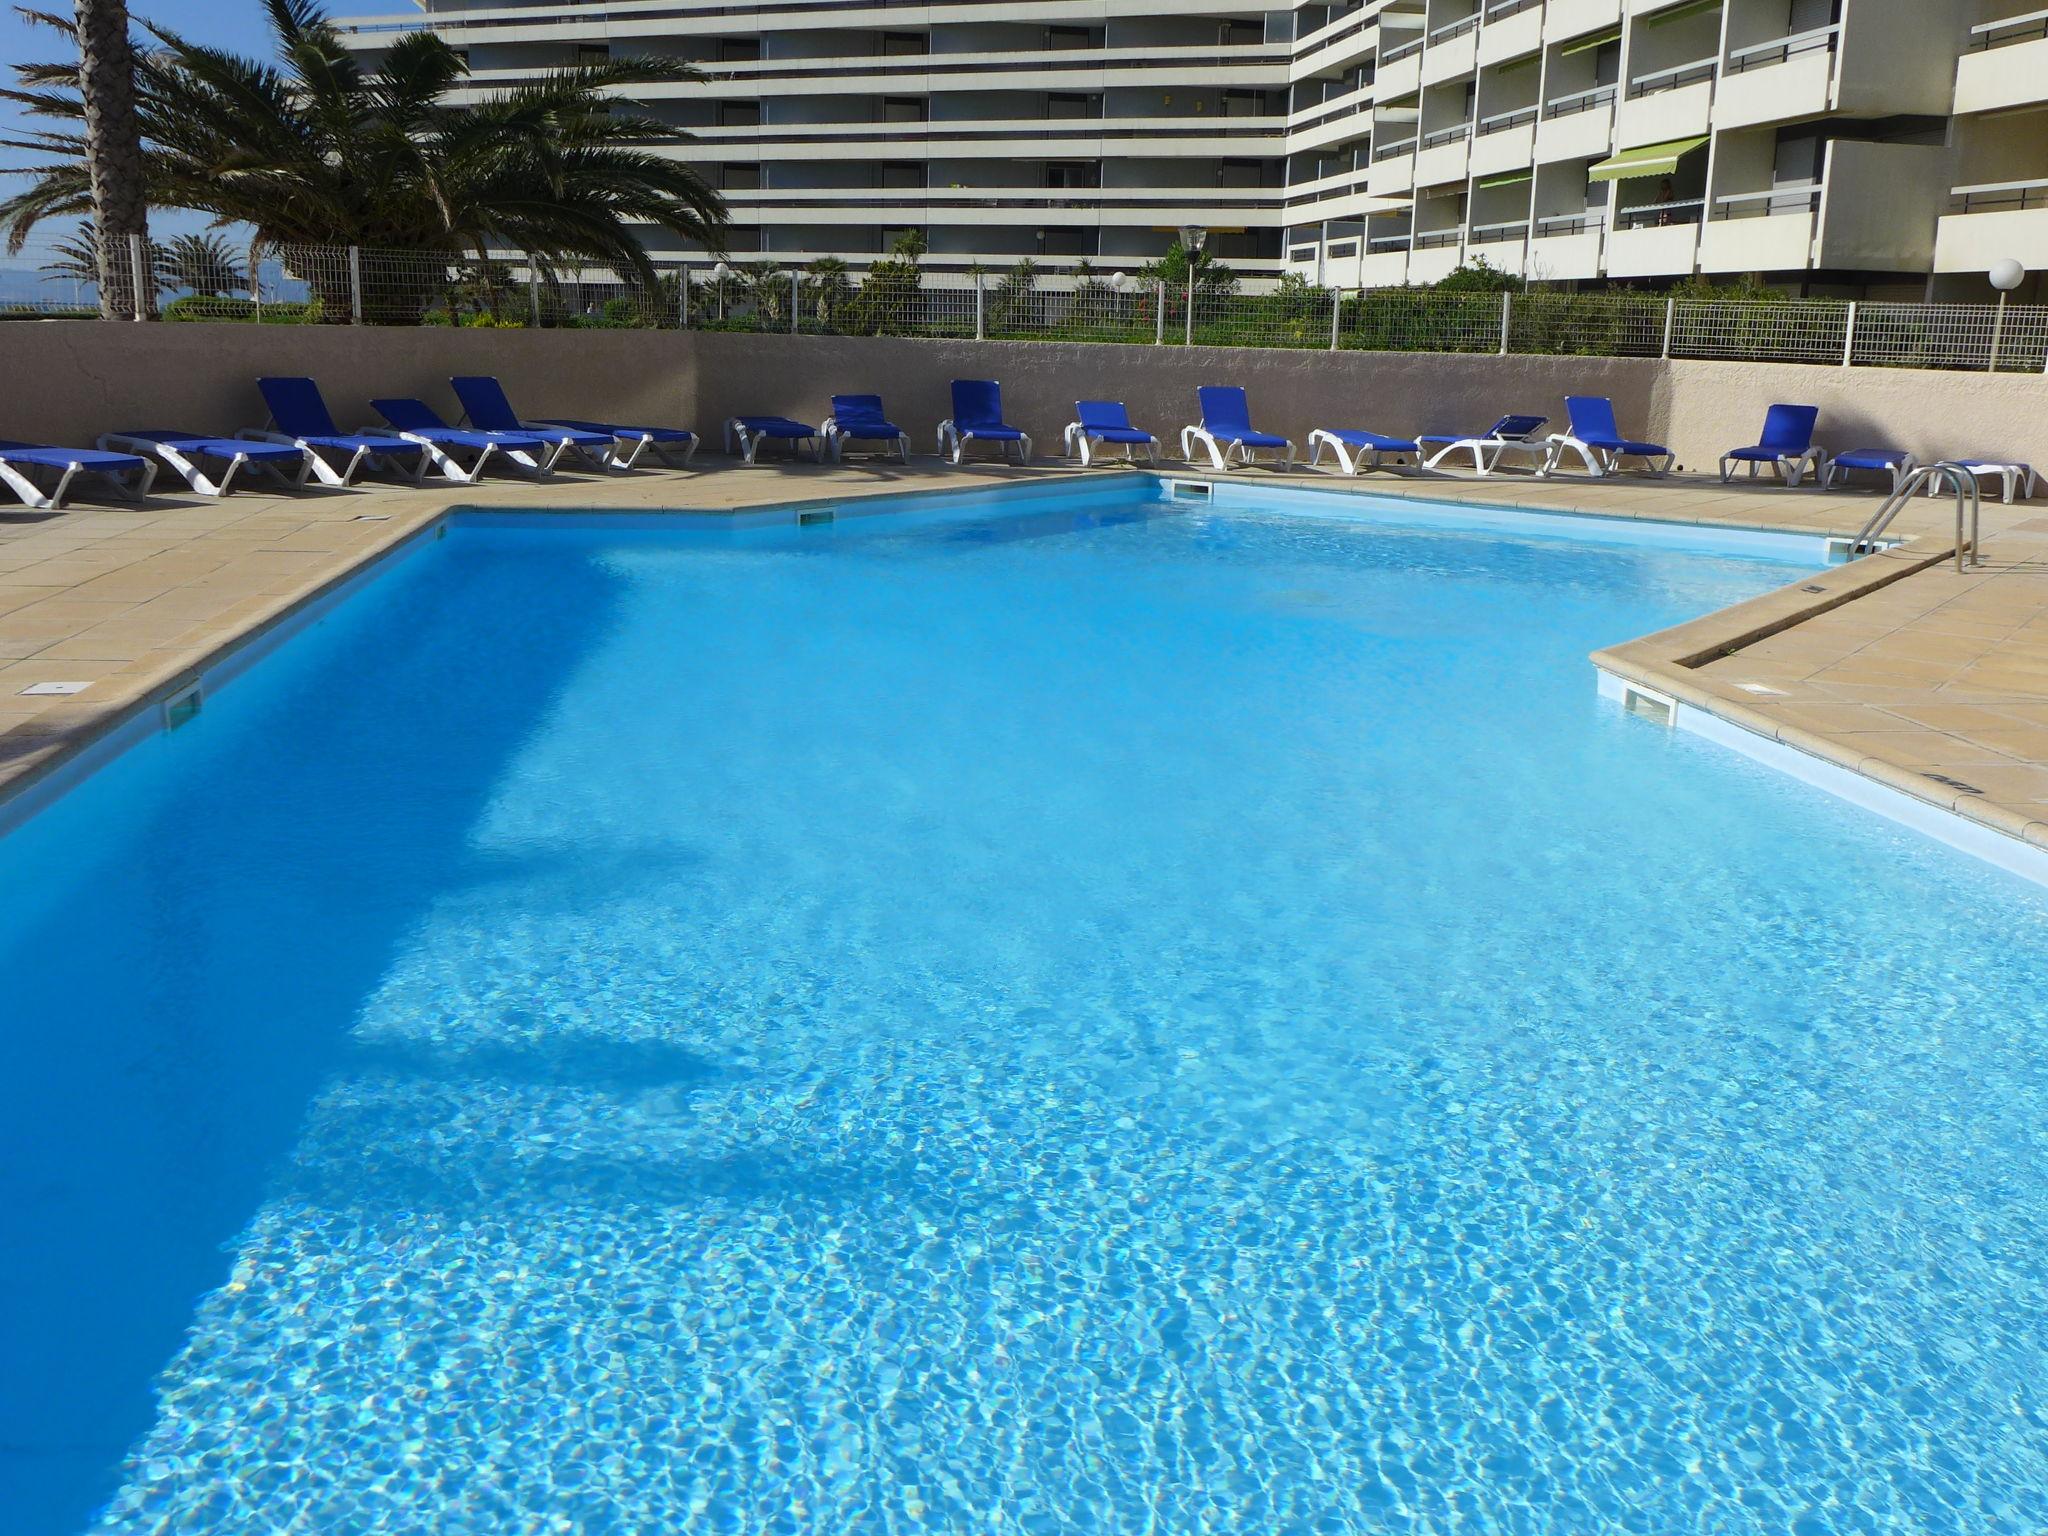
(486, 408)
(1226, 428)
(1597, 440)
(299, 417)
(414, 421)
(209, 465)
(859, 419)
(1895, 462)
(1357, 451)
(22, 464)
(752, 431)
(674, 446)
(1509, 435)
(978, 418)
(1107, 421)
(1787, 446)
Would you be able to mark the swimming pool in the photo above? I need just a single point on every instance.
(1043, 1016)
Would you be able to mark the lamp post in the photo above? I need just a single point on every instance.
(1192, 238)
(2005, 276)
(719, 274)
(1118, 282)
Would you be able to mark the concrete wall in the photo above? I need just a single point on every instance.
(67, 381)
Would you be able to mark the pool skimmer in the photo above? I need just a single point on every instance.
(182, 707)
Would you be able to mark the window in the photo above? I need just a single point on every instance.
(739, 50)
(739, 114)
(1067, 242)
(1244, 103)
(739, 178)
(593, 53)
(1062, 105)
(900, 176)
(902, 109)
(1069, 37)
(901, 44)
(1244, 173)
(1073, 173)
(1237, 34)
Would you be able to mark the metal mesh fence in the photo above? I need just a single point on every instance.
(339, 285)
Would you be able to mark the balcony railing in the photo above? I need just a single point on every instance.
(1555, 225)
(1446, 136)
(1578, 101)
(1501, 122)
(1500, 10)
(2030, 28)
(1437, 239)
(1401, 51)
(1454, 29)
(1389, 151)
(1499, 234)
(1998, 197)
(1388, 242)
(1686, 210)
(1778, 50)
(1675, 78)
(1804, 198)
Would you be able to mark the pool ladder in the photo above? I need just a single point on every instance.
(1929, 477)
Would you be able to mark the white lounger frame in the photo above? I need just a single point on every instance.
(958, 441)
(1350, 460)
(835, 438)
(1220, 450)
(15, 476)
(438, 457)
(188, 467)
(2010, 476)
(1080, 440)
(750, 442)
(1791, 467)
(1601, 462)
(1487, 452)
(364, 458)
(596, 458)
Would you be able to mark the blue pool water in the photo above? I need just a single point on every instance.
(1077, 1017)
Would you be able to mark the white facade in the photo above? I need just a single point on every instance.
(1845, 145)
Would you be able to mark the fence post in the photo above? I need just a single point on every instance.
(1849, 337)
(138, 276)
(1158, 311)
(1997, 333)
(682, 296)
(1670, 320)
(1189, 339)
(256, 281)
(1507, 314)
(355, 285)
(980, 310)
(1336, 314)
(533, 288)
(795, 298)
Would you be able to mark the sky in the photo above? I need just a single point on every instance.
(237, 24)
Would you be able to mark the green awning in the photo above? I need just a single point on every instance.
(1591, 41)
(1522, 63)
(1678, 12)
(1649, 160)
(1506, 179)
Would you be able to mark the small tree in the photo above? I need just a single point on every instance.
(1478, 276)
(889, 291)
(766, 285)
(827, 290)
(201, 264)
(1010, 304)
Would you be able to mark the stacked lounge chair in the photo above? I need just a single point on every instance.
(299, 416)
(1596, 439)
(860, 419)
(23, 464)
(752, 431)
(486, 407)
(1511, 435)
(1787, 446)
(414, 421)
(1895, 462)
(210, 465)
(978, 418)
(2013, 478)
(1226, 430)
(1106, 421)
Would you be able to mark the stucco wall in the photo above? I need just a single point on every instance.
(68, 381)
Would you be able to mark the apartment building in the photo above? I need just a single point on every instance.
(1877, 148)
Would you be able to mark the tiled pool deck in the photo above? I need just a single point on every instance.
(1928, 681)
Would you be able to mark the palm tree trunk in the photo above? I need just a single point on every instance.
(106, 77)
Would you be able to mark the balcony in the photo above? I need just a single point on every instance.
(1576, 127)
(1667, 104)
(1566, 246)
(1385, 262)
(1780, 81)
(1400, 71)
(1505, 141)
(1656, 240)
(1502, 246)
(1768, 231)
(1445, 156)
(1453, 51)
(1435, 256)
(1513, 28)
(1990, 222)
(1574, 18)
(1393, 169)
(2006, 66)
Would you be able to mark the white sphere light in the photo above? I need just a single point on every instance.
(2007, 275)
(1119, 281)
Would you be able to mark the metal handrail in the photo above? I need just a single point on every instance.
(1929, 477)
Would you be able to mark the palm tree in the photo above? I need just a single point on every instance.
(112, 146)
(202, 264)
(315, 150)
(827, 289)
